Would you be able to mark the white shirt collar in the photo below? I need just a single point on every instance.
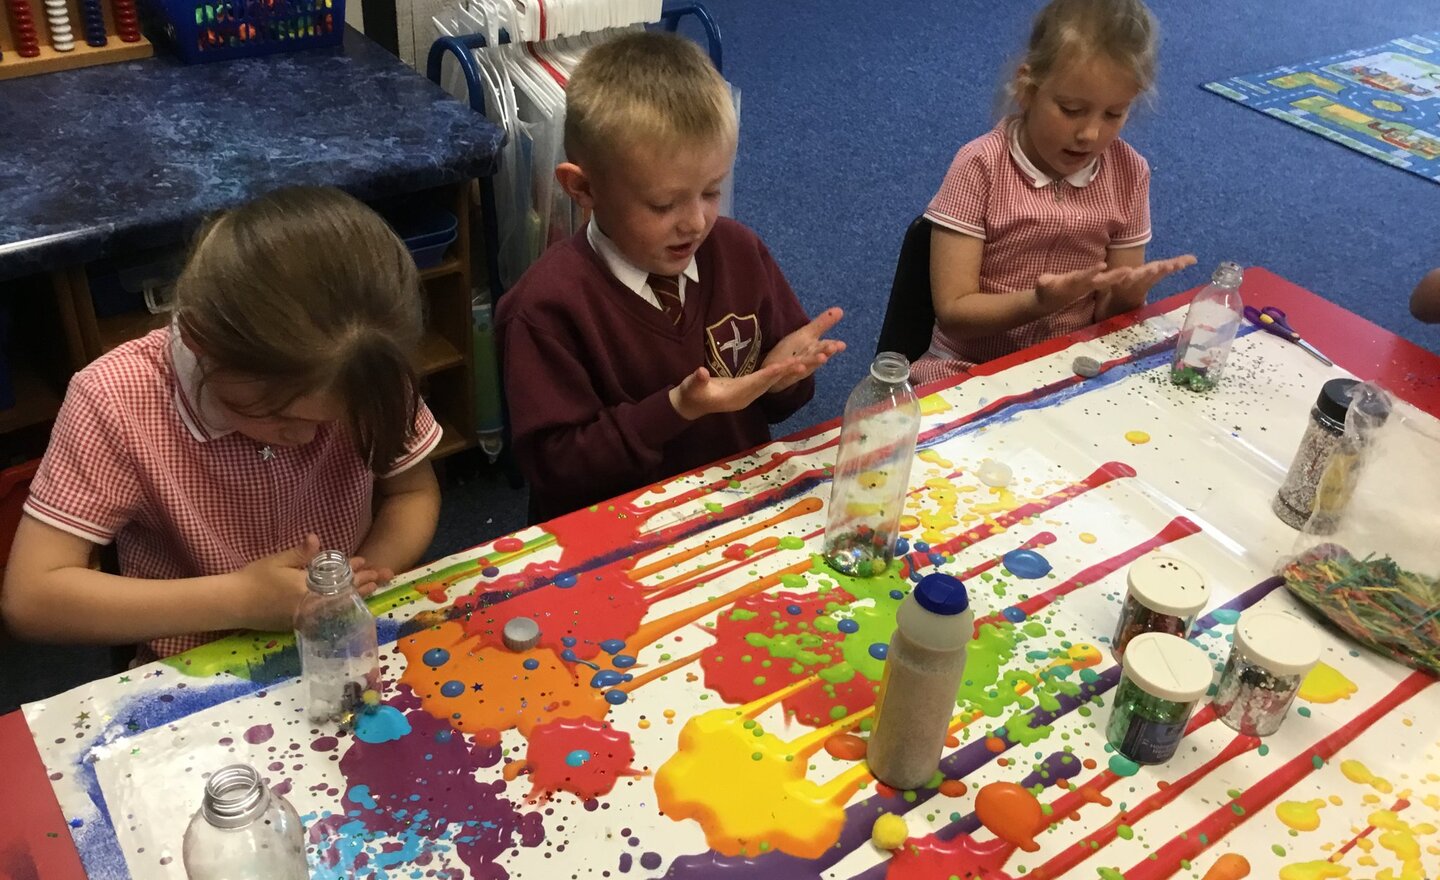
(1039, 179)
(200, 414)
(626, 272)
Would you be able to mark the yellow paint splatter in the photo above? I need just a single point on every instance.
(909, 523)
(1399, 838)
(1087, 538)
(889, 832)
(1325, 684)
(1359, 774)
(935, 458)
(1313, 871)
(1137, 437)
(1335, 799)
(1004, 502)
(1300, 815)
(932, 404)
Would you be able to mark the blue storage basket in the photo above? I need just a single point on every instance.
(205, 30)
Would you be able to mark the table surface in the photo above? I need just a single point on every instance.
(136, 154)
(728, 756)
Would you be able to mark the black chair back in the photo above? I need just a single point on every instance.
(910, 314)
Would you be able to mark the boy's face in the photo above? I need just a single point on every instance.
(656, 204)
(1075, 113)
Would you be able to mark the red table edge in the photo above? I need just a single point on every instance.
(30, 817)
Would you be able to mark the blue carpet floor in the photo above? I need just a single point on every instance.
(852, 111)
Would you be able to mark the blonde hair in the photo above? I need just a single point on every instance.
(645, 87)
(307, 290)
(1067, 31)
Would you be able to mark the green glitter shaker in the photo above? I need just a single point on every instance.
(1165, 676)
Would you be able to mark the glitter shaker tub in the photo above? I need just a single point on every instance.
(697, 702)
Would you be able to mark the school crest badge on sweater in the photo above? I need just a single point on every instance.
(733, 345)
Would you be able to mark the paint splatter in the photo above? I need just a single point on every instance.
(1325, 684)
(1300, 815)
(1026, 564)
(1230, 866)
(1011, 813)
(1360, 774)
(580, 755)
(1137, 437)
(381, 724)
(1313, 871)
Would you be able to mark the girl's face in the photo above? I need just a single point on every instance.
(1072, 115)
(295, 424)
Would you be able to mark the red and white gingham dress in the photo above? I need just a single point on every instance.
(1032, 224)
(136, 459)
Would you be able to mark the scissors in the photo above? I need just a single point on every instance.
(1272, 320)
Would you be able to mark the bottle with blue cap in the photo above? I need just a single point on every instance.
(923, 673)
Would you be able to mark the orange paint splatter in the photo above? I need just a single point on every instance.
(510, 696)
(1011, 813)
(845, 747)
(953, 788)
(1228, 867)
(995, 744)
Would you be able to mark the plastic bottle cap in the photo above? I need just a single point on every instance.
(890, 367)
(1168, 585)
(1280, 642)
(941, 593)
(1168, 667)
(521, 634)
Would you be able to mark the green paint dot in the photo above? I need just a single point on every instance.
(1317, 761)
(1237, 809)
(1304, 711)
(1278, 850)
(759, 680)
(1233, 793)
(1123, 766)
(790, 542)
(1125, 832)
(1110, 874)
(837, 712)
(910, 797)
(714, 507)
(756, 756)
(1263, 750)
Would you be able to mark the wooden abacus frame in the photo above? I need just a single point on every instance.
(83, 55)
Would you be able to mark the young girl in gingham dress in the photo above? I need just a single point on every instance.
(1040, 226)
(277, 415)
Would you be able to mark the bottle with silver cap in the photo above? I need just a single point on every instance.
(339, 651)
(244, 831)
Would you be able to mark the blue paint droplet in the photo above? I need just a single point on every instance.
(568, 641)
(879, 650)
(612, 646)
(531, 663)
(916, 577)
(490, 571)
(605, 678)
(76, 822)
(937, 558)
(578, 758)
(627, 677)
(902, 546)
(452, 688)
(792, 609)
(436, 657)
(1026, 564)
(896, 594)
(848, 626)
(568, 655)
(443, 736)
(1014, 615)
(623, 661)
(922, 547)
(383, 724)
(565, 581)
(615, 698)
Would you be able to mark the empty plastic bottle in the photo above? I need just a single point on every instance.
(244, 831)
(1210, 326)
(339, 654)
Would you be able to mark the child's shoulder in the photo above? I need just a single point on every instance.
(138, 366)
(732, 235)
(555, 280)
(1126, 161)
(989, 149)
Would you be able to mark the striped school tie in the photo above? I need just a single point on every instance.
(667, 291)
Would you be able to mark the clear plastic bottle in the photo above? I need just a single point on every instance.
(244, 831)
(872, 474)
(339, 651)
(1210, 327)
(923, 669)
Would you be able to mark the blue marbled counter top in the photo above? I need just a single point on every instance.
(104, 159)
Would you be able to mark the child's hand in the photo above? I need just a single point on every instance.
(273, 587)
(1144, 276)
(805, 350)
(1055, 292)
(701, 394)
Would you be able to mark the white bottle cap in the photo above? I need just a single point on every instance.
(1168, 585)
(1168, 667)
(520, 634)
(1280, 642)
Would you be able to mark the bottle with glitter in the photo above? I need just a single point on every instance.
(1210, 327)
(1164, 595)
(1165, 676)
(244, 831)
(872, 473)
(339, 654)
(923, 671)
(1324, 442)
(1272, 654)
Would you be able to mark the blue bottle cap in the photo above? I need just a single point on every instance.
(942, 594)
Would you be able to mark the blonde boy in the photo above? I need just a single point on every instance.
(660, 337)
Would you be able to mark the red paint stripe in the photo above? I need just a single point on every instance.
(1165, 861)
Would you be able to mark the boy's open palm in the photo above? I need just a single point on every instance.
(806, 349)
(701, 394)
(275, 585)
